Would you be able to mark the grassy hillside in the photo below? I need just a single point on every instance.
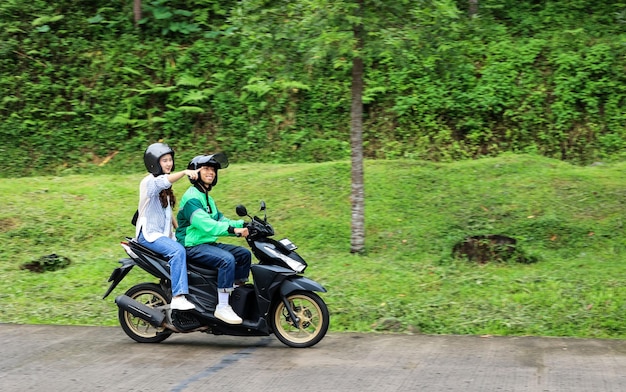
(570, 218)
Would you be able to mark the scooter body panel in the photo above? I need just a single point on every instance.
(300, 283)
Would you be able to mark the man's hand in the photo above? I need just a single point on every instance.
(241, 232)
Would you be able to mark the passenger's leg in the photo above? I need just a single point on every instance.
(176, 255)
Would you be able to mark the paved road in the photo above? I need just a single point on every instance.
(62, 358)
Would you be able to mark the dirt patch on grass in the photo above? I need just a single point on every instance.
(8, 224)
(492, 247)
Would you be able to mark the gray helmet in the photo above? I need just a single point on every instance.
(151, 157)
(217, 161)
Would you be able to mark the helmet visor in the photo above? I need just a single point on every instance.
(218, 160)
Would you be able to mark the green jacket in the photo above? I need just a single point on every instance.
(199, 220)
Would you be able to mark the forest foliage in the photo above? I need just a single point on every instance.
(83, 84)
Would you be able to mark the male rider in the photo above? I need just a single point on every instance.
(200, 224)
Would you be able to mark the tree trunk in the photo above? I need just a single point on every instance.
(473, 7)
(137, 11)
(357, 243)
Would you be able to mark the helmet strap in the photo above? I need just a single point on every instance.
(202, 187)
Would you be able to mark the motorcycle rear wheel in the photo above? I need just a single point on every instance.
(149, 294)
(313, 316)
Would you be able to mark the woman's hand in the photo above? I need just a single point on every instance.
(192, 174)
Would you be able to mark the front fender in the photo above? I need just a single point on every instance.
(300, 283)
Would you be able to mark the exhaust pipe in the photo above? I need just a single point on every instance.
(137, 309)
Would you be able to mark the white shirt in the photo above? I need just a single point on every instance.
(153, 221)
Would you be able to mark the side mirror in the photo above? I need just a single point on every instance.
(263, 207)
(241, 210)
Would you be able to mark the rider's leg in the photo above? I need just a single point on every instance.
(243, 259)
(215, 257)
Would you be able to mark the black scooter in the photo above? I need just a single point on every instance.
(280, 300)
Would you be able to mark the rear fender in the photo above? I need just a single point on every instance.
(119, 274)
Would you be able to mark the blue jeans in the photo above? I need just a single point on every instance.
(178, 262)
(232, 262)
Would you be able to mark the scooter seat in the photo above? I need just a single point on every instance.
(201, 269)
(137, 246)
(196, 267)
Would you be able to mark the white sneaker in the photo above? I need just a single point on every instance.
(227, 314)
(181, 303)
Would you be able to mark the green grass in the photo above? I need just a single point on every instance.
(571, 218)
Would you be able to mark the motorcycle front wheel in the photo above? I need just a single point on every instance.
(139, 330)
(313, 320)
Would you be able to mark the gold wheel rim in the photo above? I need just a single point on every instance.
(310, 318)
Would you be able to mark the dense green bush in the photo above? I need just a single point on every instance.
(82, 83)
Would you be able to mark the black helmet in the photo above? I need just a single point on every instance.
(151, 157)
(217, 161)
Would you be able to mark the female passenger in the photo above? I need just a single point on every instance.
(155, 220)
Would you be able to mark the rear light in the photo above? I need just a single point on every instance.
(128, 250)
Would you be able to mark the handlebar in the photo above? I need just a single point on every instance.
(259, 228)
